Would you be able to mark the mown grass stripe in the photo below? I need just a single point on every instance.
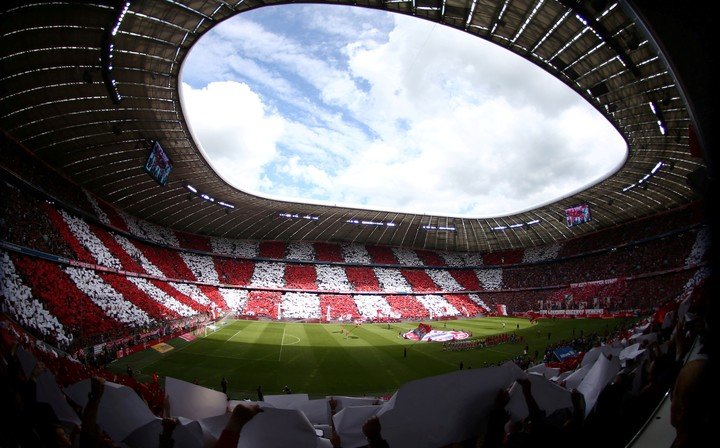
(323, 362)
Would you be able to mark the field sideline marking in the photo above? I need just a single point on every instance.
(282, 342)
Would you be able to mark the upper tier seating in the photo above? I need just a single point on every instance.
(135, 274)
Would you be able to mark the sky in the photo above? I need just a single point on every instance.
(356, 107)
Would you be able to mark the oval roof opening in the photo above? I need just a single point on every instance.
(362, 108)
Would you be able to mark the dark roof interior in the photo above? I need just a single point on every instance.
(88, 101)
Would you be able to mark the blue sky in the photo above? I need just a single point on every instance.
(355, 107)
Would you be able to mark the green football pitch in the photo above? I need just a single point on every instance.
(323, 359)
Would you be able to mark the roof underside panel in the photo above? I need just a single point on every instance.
(55, 100)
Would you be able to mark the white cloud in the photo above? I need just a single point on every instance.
(239, 131)
(396, 113)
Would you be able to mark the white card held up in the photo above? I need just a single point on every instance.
(187, 434)
(601, 374)
(443, 409)
(278, 428)
(121, 410)
(348, 424)
(549, 396)
(192, 401)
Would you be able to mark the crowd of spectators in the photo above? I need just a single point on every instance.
(299, 305)
(407, 257)
(167, 282)
(338, 307)
(621, 376)
(427, 257)
(375, 307)
(437, 306)
(194, 292)
(468, 304)
(136, 255)
(419, 280)
(133, 294)
(328, 252)
(454, 259)
(541, 253)
(627, 259)
(467, 279)
(362, 278)
(356, 254)
(444, 280)
(111, 302)
(234, 271)
(28, 309)
(700, 247)
(51, 285)
(18, 162)
(268, 275)
(202, 267)
(272, 250)
(79, 252)
(193, 242)
(106, 213)
(235, 248)
(24, 221)
(490, 279)
(262, 304)
(91, 243)
(80, 230)
(234, 298)
(408, 307)
(332, 278)
(135, 300)
(659, 224)
(301, 276)
(603, 295)
(154, 289)
(300, 250)
(149, 232)
(513, 256)
(382, 255)
(391, 280)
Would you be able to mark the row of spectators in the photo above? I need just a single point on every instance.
(686, 248)
(68, 302)
(310, 306)
(24, 221)
(638, 230)
(21, 164)
(95, 245)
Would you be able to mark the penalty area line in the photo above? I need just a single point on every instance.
(230, 338)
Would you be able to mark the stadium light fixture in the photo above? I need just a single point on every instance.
(643, 181)
(208, 198)
(299, 216)
(371, 223)
(440, 228)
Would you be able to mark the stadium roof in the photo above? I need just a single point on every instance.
(87, 87)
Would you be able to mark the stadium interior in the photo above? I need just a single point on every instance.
(101, 259)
